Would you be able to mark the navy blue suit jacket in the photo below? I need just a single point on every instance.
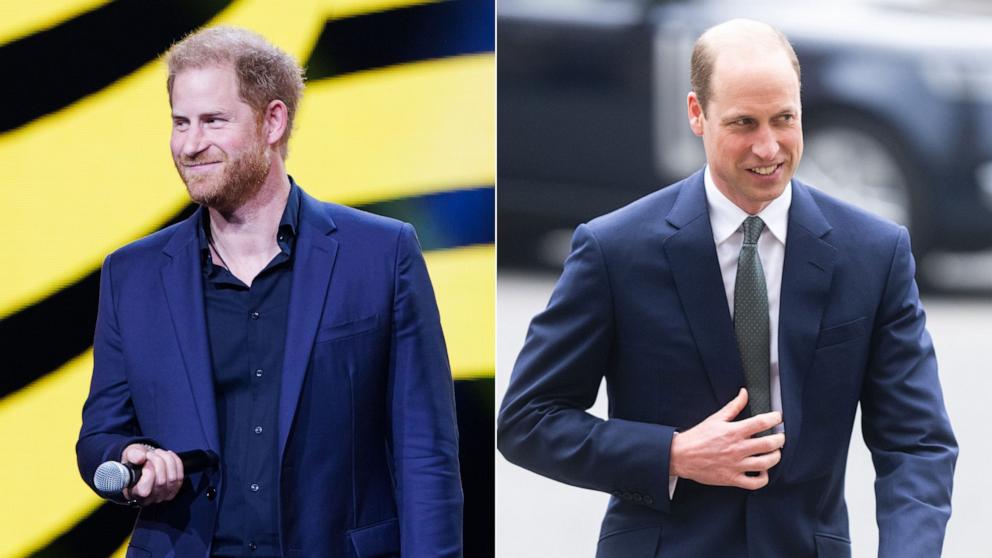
(641, 301)
(367, 434)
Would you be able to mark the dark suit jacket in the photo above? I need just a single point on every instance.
(367, 436)
(641, 301)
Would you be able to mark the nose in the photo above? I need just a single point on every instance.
(765, 144)
(194, 141)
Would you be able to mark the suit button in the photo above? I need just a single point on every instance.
(252, 546)
(211, 493)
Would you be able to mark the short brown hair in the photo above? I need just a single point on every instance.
(265, 73)
(703, 60)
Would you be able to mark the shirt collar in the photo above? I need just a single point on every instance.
(290, 221)
(726, 218)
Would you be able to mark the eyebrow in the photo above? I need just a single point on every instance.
(736, 117)
(210, 114)
(740, 116)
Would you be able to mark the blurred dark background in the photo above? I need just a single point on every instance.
(897, 102)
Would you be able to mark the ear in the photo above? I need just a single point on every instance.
(275, 122)
(695, 111)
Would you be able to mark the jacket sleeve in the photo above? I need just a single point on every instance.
(109, 421)
(904, 421)
(543, 423)
(424, 431)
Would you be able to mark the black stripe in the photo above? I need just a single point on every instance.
(475, 402)
(44, 336)
(106, 529)
(402, 35)
(56, 67)
(98, 535)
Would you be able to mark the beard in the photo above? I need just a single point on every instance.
(240, 180)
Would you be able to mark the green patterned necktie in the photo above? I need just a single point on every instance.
(751, 319)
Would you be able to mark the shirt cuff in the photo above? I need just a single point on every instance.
(672, 480)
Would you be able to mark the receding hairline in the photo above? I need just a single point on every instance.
(740, 33)
(740, 37)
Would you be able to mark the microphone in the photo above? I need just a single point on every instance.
(112, 477)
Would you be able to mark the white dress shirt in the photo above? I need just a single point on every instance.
(728, 236)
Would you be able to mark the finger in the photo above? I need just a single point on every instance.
(730, 411)
(758, 423)
(145, 483)
(761, 462)
(160, 475)
(135, 454)
(176, 465)
(169, 461)
(752, 482)
(764, 444)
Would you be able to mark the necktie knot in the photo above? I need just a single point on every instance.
(752, 229)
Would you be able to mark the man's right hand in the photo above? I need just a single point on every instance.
(721, 452)
(161, 474)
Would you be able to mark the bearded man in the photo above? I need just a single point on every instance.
(297, 340)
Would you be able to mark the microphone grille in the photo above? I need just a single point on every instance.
(111, 478)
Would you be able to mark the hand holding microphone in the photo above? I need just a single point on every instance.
(150, 475)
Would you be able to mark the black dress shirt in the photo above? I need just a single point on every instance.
(247, 331)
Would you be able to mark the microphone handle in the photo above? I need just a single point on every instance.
(194, 461)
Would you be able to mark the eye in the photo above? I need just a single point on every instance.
(741, 122)
(180, 124)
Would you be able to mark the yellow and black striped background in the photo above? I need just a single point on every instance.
(397, 118)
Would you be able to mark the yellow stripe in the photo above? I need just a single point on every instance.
(465, 285)
(19, 19)
(99, 174)
(38, 476)
(398, 131)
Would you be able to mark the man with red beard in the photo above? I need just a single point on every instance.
(297, 340)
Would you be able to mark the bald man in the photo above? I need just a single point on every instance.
(739, 317)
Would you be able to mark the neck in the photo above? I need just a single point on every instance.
(250, 230)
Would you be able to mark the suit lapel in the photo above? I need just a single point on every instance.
(183, 284)
(696, 270)
(314, 257)
(806, 278)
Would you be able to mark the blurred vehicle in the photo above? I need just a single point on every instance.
(897, 107)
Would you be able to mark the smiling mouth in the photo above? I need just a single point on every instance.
(764, 171)
(195, 165)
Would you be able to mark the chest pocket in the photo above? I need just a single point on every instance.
(841, 333)
(348, 328)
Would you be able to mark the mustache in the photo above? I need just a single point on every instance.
(198, 160)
